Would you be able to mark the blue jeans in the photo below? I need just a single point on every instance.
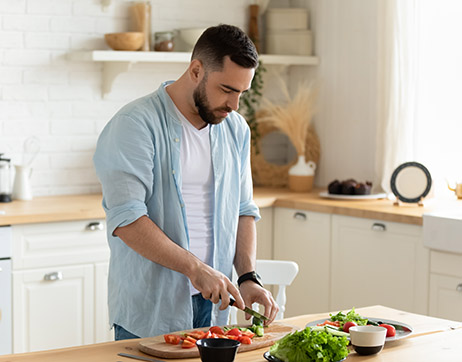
(202, 311)
(202, 316)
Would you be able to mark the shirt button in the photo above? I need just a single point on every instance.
(177, 140)
(182, 205)
(173, 171)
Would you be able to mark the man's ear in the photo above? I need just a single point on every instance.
(196, 70)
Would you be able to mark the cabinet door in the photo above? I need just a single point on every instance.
(53, 308)
(265, 234)
(376, 262)
(446, 297)
(304, 237)
(103, 331)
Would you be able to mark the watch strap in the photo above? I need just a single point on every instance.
(253, 276)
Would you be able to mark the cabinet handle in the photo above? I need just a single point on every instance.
(51, 277)
(459, 287)
(95, 226)
(378, 227)
(300, 216)
(1, 269)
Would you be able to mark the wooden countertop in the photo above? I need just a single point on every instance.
(433, 339)
(79, 207)
(51, 209)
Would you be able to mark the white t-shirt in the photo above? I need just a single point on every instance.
(197, 190)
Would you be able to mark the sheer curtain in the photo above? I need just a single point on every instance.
(420, 113)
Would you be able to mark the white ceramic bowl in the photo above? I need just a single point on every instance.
(190, 36)
(367, 339)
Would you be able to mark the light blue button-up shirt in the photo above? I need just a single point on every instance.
(137, 160)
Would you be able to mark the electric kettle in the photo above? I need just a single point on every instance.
(5, 179)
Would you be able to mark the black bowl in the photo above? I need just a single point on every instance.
(217, 349)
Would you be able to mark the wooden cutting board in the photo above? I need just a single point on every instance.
(157, 347)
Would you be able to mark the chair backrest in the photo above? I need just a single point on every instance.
(273, 272)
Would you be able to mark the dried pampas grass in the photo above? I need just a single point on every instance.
(295, 116)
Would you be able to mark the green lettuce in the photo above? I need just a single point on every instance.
(351, 316)
(307, 345)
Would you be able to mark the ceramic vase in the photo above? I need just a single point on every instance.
(301, 175)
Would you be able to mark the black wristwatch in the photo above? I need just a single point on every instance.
(253, 276)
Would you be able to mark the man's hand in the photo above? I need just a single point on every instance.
(215, 286)
(253, 293)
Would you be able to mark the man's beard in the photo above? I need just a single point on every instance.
(202, 105)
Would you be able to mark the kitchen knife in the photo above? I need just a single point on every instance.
(138, 357)
(250, 311)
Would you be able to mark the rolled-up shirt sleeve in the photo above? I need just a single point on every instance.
(124, 165)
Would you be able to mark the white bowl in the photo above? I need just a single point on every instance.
(367, 339)
(190, 36)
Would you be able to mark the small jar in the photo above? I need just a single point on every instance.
(163, 41)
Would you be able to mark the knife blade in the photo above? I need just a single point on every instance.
(249, 311)
(138, 357)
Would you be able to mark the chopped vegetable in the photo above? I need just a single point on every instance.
(234, 332)
(216, 330)
(351, 316)
(257, 327)
(332, 330)
(172, 338)
(348, 325)
(391, 331)
(189, 342)
(309, 345)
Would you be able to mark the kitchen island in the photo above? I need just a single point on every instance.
(433, 339)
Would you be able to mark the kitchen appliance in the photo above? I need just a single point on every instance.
(5, 291)
(5, 179)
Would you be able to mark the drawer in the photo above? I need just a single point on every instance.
(376, 228)
(59, 243)
(446, 263)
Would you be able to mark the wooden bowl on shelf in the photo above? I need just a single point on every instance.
(125, 41)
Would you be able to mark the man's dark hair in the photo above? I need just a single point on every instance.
(223, 40)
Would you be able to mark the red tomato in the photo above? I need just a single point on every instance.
(234, 332)
(348, 325)
(189, 342)
(249, 334)
(391, 331)
(335, 324)
(245, 340)
(216, 330)
(230, 336)
(196, 334)
(172, 338)
(208, 335)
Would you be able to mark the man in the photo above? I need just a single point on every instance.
(177, 191)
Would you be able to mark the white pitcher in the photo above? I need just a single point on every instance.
(301, 175)
(22, 188)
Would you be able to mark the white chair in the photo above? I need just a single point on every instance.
(272, 272)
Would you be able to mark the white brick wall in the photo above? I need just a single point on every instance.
(44, 94)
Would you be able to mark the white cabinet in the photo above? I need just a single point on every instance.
(376, 262)
(446, 285)
(53, 313)
(265, 234)
(304, 237)
(59, 285)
